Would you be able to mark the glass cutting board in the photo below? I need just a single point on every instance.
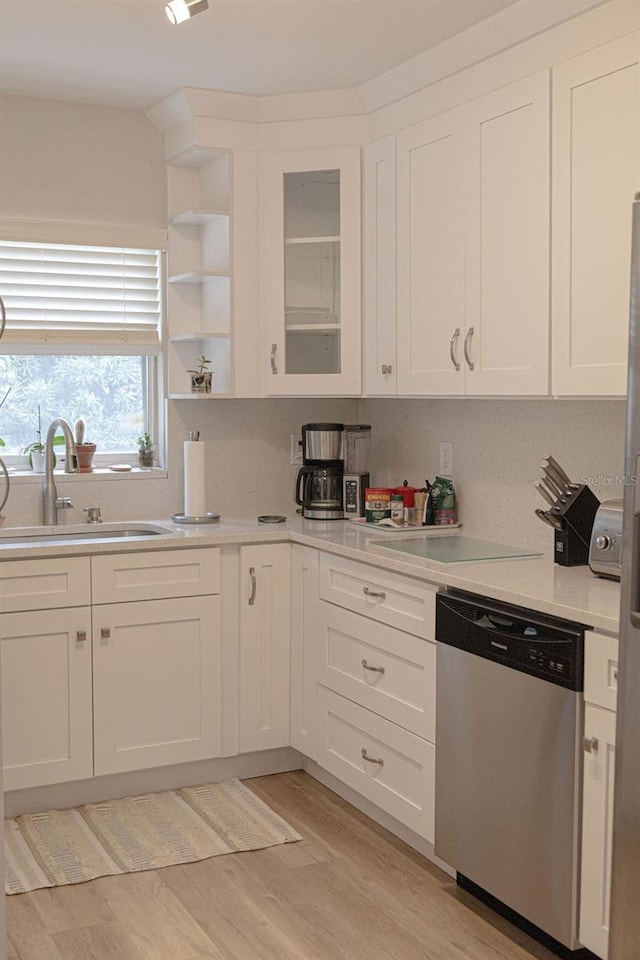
(458, 549)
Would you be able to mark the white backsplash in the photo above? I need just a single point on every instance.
(497, 449)
(248, 468)
(498, 445)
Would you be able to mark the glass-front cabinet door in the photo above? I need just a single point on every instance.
(311, 261)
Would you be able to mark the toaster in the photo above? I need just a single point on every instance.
(605, 551)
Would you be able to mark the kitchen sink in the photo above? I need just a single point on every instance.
(104, 532)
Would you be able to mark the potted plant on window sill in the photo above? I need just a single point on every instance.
(35, 450)
(84, 451)
(145, 451)
(201, 379)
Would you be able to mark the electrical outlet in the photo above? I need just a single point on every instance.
(295, 453)
(446, 459)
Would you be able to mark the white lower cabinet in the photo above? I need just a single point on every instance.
(600, 687)
(265, 611)
(388, 765)
(46, 696)
(305, 650)
(156, 688)
(367, 665)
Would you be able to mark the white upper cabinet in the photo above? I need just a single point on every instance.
(473, 247)
(311, 272)
(431, 278)
(379, 267)
(507, 240)
(596, 171)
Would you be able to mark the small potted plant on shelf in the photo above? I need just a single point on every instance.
(145, 451)
(201, 379)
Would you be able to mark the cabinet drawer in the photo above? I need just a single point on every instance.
(601, 669)
(399, 775)
(390, 598)
(44, 584)
(389, 672)
(156, 575)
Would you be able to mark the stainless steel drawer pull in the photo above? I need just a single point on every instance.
(369, 759)
(377, 594)
(105, 633)
(452, 347)
(254, 586)
(274, 366)
(81, 636)
(590, 744)
(373, 669)
(467, 341)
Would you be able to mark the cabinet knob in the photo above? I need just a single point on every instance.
(105, 633)
(590, 744)
(81, 636)
(386, 369)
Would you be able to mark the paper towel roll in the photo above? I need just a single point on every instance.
(195, 494)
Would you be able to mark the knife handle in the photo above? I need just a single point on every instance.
(544, 493)
(561, 473)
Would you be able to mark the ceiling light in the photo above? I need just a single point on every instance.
(180, 10)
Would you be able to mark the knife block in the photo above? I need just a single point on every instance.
(571, 543)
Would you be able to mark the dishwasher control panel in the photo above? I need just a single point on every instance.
(519, 638)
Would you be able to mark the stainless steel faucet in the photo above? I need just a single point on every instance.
(51, 502)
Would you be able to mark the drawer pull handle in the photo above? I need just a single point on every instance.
(254, 586)
(377, 594)
(590, 744)
(105, 633)
(81, 636)
(615, 673)
(373, 669)
(365, 756)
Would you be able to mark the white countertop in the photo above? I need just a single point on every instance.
(573, 593)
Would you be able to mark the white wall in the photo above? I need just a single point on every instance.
(498, 446)
(80, 162)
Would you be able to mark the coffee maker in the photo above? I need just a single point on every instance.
(319, 482)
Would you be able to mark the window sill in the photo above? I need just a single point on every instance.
(98, 473)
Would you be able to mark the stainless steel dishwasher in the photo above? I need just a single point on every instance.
(508, 759)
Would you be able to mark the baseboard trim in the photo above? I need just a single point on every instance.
(61, 795)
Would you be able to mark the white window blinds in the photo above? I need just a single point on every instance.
(70, 298)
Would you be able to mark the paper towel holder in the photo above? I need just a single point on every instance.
(207, 518)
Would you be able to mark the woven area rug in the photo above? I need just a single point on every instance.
(154, 830)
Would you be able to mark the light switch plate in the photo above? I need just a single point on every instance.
(295, 453)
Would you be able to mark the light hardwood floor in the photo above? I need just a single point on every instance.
(348, 891)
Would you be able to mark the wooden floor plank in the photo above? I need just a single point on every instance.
(348, 891)
(28, 937)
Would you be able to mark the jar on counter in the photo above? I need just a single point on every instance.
(397, 508)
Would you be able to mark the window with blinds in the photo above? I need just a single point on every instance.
(67, 298)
